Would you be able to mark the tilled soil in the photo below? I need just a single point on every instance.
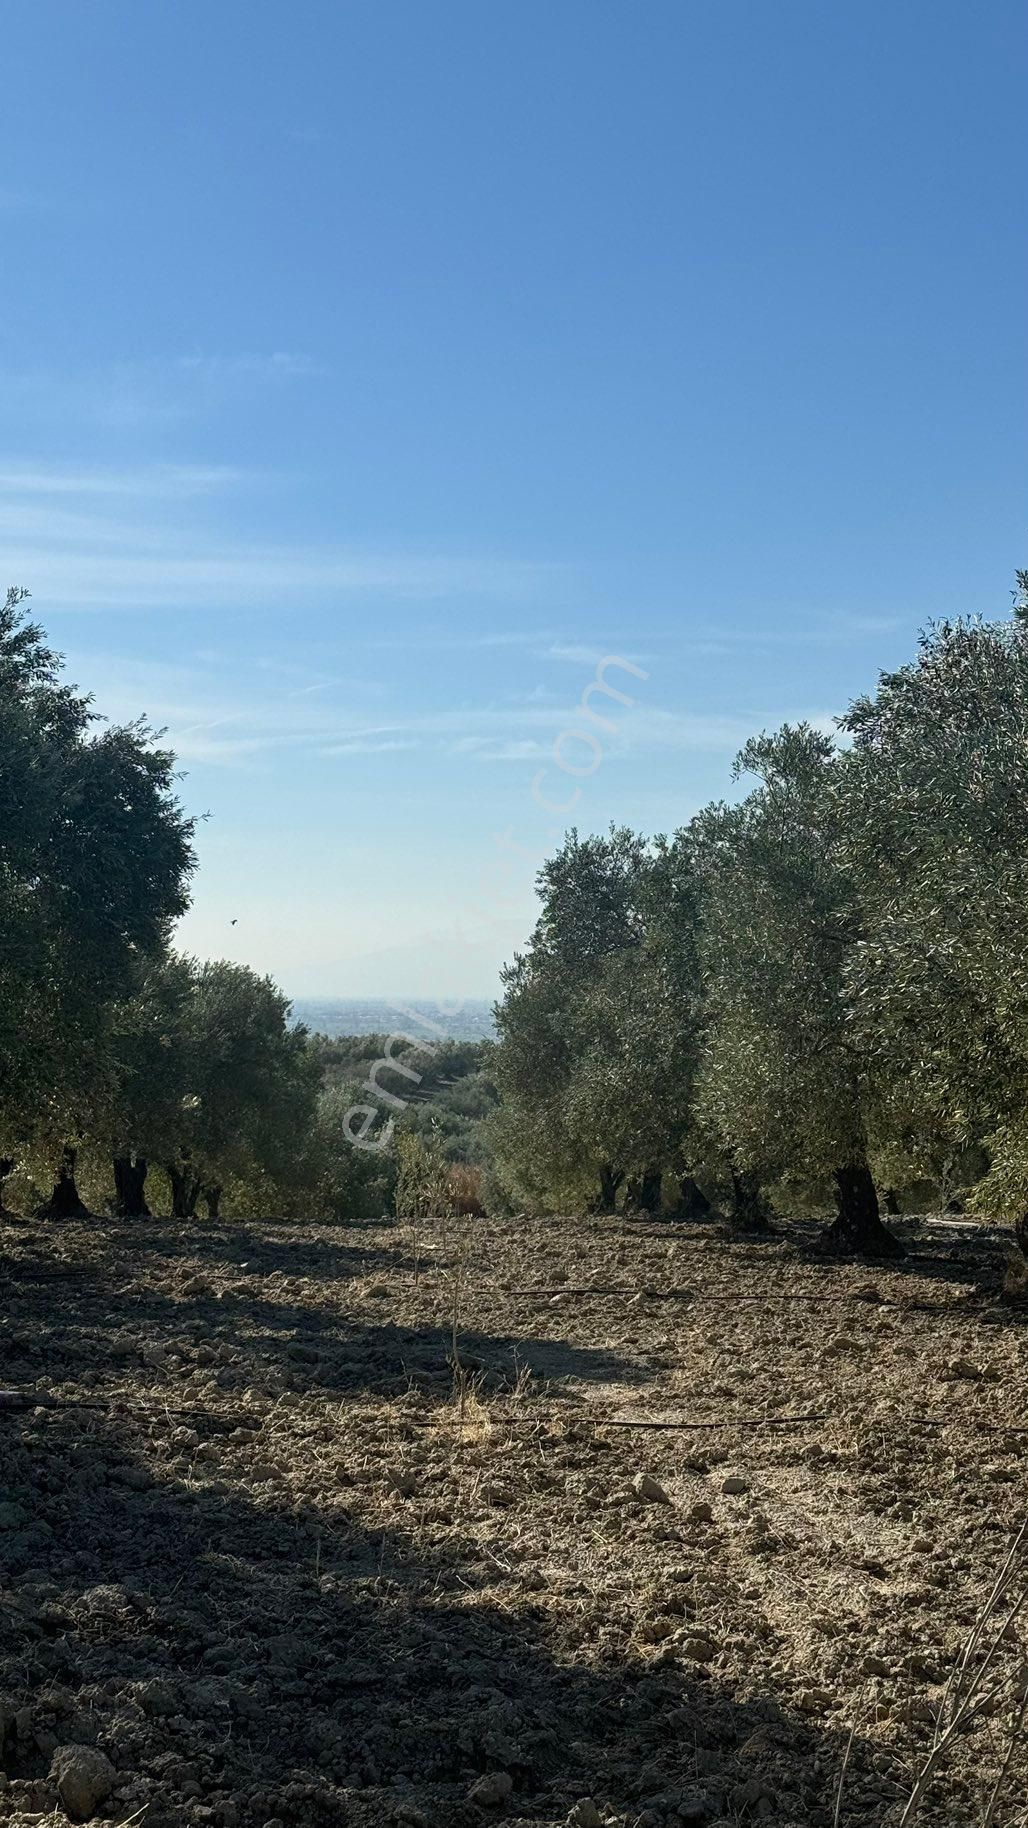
(309, 1525)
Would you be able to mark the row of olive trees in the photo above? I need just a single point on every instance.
(113, 1050)
(821, 987)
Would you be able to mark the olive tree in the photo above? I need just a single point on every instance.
(95, 859)
(936, 785)
(598, 1026)
(249, 1084)
(784, 1082)
(551, 1135)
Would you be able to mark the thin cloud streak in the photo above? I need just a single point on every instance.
(169, 482)
(204, 725)
(245, 576)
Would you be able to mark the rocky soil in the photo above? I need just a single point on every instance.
(307, 1526)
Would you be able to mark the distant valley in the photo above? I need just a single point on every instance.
(470, 1020)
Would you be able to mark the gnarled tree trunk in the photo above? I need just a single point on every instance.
(643, 1192)
(130, 1173)
(749, 1209)
(610, 1181)
(65, 1201)
(7, 1167)
(186, 1186)
(858, 1227)
(212, 1200)
(692, 1202)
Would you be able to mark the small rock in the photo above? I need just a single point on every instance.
(585, 1814)
(753, 1794)
(493, 1493)
(696, 1808)
(698, 1650)
(84, 1778)
(158, 1698)
(733, 1486)
(701, 1512)
(874, 1666)
(492, 1789)
(401, 1481)
(914, 1710)
(135, 1477)
(12, 1516)
(644, 1486)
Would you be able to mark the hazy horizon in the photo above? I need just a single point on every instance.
(421, 1017)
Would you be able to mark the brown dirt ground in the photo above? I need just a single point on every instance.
(338, 1590)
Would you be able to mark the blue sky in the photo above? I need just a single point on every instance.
(370, 371)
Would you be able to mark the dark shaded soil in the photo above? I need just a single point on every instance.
(285, 1557)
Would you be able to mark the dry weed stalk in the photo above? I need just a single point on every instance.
(837, 1813)
(966, 1697)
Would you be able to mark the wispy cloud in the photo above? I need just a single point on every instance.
(55, 538)
(151, 392)
(279, 364)
(234, 717)
(159, 481)
(370, 745)
(244, 576)
(500, 749)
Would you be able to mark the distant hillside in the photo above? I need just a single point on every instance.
(471, 1021)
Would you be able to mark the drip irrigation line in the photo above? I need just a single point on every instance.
(732, 1294)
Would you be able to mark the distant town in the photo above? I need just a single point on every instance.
(471, 1019)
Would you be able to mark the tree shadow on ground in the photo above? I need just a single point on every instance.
(68, 1324)
(971, 1256)
(245, 1661)
(268, 1252)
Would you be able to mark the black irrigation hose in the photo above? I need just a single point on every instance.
(765, 1299)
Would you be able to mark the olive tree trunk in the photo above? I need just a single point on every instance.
(7, 1167)
(212, 1200)
(65, 1202)
(692, 1202)
(610, 1181)
(644, 1189)
(130, 1172)
(749, 1208)
(858, 1226)
(186, 1187)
